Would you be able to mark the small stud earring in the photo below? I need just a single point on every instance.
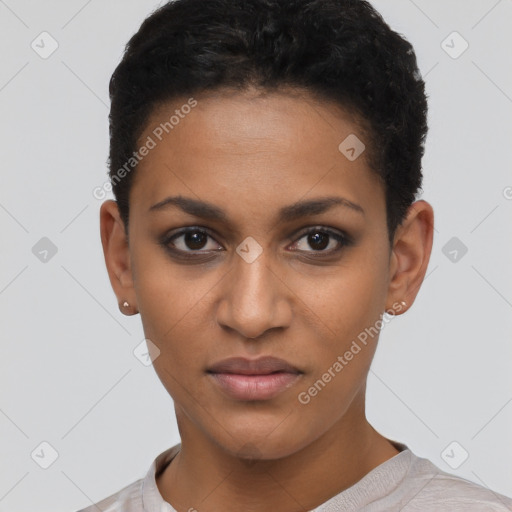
(125, 307)
(403, 303)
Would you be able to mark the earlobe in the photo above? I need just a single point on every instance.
(116, 252)
(410, 256)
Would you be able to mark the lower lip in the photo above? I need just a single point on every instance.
(254, 387)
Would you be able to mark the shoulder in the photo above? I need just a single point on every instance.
(128, 499)
(142, 494)
(436, 489)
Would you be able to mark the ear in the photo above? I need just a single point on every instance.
(117, 255)
(410, 254)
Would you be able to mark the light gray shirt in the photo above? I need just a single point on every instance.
(404, 483)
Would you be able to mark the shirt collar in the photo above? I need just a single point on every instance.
(152, 500)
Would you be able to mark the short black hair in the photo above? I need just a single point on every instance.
(338, 50)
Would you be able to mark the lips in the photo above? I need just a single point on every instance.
(261, 366)
(253, 379)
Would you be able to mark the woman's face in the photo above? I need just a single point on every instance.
(287, 255)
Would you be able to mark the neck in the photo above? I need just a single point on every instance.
(205, 477)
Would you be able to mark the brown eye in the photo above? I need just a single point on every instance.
(195, 239)
(191, 240)
(320, 240)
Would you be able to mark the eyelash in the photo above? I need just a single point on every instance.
(342, 238)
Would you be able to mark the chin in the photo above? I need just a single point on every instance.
(262, 440)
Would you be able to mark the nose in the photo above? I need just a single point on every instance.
(254, 299)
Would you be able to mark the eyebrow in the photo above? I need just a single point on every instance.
(288, 213)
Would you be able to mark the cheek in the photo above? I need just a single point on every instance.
(351, 306)
(163, 304)
(348, 308)
(347, 300)
(175, 304)
(167, 294)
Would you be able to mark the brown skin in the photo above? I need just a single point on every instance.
(251, 155)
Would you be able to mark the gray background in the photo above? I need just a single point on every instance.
(68, 375)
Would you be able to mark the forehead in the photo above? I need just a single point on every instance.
(259, 150)
(251, 121)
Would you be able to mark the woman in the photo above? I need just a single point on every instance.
(265, 157)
